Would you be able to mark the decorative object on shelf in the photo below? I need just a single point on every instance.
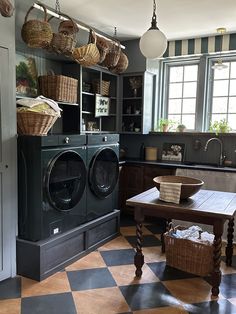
(91, 126)
(103, 47)
(219, 65)
(135, 83)
(26, 76)
(58, 87)
(221, 126)
(86, 87)
(122, 64)
(153, 42)
(181, 128)
(101, 87)
(36, 33)
(151, 153)
(173, 151)
(101, 106)
(63, 42)
(87, 55)
(6, 8)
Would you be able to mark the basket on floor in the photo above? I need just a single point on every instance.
(36, 33)
(187, 255)
(34, 123)
(101, 87)
(58, 87)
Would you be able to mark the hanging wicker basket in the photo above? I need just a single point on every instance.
(87, 55)
(62, 42)
(112, 57)
(122, 64)
(35, 33)
(68, 27)
(103, 47)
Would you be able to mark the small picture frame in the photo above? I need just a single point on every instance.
(102, 105)
(173, 151)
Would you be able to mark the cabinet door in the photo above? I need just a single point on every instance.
(130, 184)
(151, 172)
(8, 193)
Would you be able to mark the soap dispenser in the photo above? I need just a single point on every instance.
(142, 152)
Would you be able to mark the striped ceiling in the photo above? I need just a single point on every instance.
(217, 43)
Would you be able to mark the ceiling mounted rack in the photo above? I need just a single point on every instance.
(81, 25)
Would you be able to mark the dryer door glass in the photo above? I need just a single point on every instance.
(104, 172)
(66, 180)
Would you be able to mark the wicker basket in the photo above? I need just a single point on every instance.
(34, 123)
(122, 64)
(58, 87)
(103, 89)
(35, 33)
(62, 42)
(189, 256)
(87, 55)
(103, 47)
(112, 56)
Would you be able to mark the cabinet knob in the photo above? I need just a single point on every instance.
(67, 140)
(105, 139)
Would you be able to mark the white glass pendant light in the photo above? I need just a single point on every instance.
(153, 43)
(219, 65)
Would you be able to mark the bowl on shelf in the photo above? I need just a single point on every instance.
(189, 186)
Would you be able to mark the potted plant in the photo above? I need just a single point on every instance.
(181, 128)
(221, 126)
(164, 125)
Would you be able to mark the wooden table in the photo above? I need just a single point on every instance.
(208, 207)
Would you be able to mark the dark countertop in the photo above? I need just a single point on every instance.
(170, 164)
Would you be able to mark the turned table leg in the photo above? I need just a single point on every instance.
(216, 273)
(139, 258)
(229, 247)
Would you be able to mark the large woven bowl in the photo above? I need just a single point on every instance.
(189, 187)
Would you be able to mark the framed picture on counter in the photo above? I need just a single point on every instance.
(101, 106)
(173, 151)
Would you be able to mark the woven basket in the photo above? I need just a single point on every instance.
(35, 33)
(122, 64)
(187, 255)
(112, 57)
(87, 55)
(34, 123)
(62, 42)
(102, 89)
(68, 27)
(103, 47)
(58, 87)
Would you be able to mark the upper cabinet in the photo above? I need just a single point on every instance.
(137, 102)
(97, 99)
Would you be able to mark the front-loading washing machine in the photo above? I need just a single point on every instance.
(103, 174)
(51, 184)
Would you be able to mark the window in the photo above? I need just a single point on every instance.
(222, 100)
(194, 94)
(181, 93)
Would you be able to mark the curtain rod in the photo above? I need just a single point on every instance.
(81, 25)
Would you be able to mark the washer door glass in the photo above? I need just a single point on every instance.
(65, 180)
(104, 172)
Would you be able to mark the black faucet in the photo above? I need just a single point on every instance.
(222, 156)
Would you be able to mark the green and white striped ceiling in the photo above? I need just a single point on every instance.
(226, 42)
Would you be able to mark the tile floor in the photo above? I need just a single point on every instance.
(103, 282)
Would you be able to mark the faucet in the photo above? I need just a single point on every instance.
(222, 156)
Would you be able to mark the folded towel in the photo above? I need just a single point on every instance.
(170, 192)
(50, 102)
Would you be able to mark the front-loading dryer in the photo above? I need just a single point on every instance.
(103, 174)
(51, 184)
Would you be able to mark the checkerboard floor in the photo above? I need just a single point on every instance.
(103, 282)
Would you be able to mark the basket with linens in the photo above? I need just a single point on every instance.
(36, 116)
